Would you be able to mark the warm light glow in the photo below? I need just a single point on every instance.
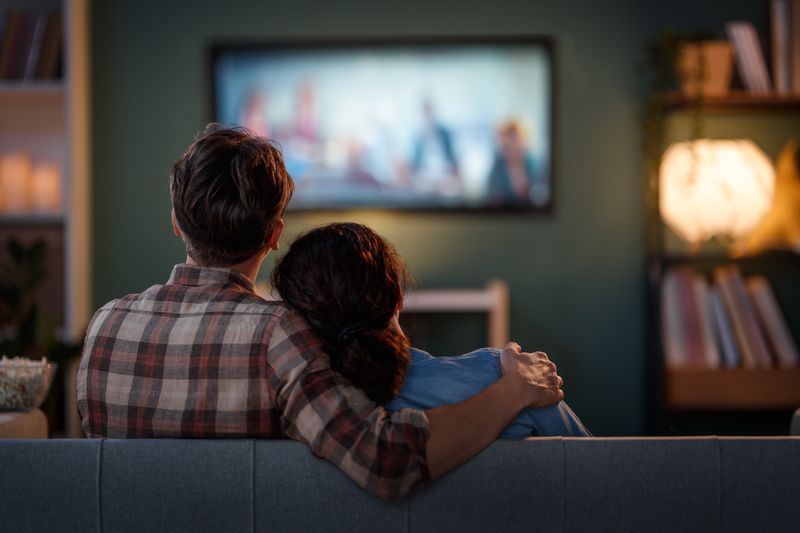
(46, 189)
(713, 188)
(15, 172)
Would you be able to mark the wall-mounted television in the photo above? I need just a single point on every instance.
(423, 124)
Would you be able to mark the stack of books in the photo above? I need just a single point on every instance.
(31, 45)
(784, 47)
(728, 321)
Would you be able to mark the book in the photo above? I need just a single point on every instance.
(51, 49)
(749, 57)
(693, 339)
(17, 44)
(773, 322)
(672, 334)
(11, 27)
(687, 333)
(794, 44)
(749, 337)
(3, 22)
(702, 301)
(35, 47)
(723, 330)
(781, 56)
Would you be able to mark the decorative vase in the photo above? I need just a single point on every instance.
(706, 66)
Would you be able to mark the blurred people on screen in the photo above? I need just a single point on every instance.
(305, 126)
(514, 177)
(433, 161)
(254, 112)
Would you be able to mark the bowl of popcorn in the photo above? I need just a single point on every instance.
(24, 383)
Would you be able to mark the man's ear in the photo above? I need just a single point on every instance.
(272, 242)
(175, 227)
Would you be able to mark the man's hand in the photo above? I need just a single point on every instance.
(533, 374)
(458, 432)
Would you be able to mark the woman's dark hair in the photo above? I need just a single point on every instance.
(347, 282)
(228, 191)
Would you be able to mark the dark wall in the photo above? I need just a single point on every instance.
(576, 276)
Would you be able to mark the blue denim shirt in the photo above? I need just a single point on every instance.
(436, 381)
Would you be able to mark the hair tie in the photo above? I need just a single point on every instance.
(349, 332)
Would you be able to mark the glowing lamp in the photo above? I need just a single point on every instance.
(46, 189)
(713, 188)
(15, 171)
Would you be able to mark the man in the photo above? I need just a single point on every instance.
(202, 356)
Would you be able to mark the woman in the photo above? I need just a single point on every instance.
(348, 282)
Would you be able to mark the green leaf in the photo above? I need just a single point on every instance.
(17, 250)
(27, 328)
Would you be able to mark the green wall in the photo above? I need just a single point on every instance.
(576, 276)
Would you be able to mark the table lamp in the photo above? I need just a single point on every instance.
(714, 188)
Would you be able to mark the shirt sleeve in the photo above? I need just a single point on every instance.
(382, 452)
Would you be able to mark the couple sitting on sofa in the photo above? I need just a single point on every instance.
(203, 356)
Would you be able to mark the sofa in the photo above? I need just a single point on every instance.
(707, 484)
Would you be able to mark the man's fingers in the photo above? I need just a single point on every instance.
(536, 372)
(513, 346)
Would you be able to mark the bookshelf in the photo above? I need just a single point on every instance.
(721, 400)
(47, 118)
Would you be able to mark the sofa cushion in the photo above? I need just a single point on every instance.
(295, 491)
(497, 491)
(176, 485)
(611, 482)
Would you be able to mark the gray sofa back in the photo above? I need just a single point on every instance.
(624, 484)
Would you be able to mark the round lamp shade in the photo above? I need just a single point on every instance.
(713, 188)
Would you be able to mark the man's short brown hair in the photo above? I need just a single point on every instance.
(228, 191)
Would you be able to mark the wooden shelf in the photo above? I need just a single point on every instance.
(31, 219)
(31, 87)
(690, 389)
(735, 100)
(790, 257)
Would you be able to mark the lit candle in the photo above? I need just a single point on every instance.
(46, 189)
(15, 171)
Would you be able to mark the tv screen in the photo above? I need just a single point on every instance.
(443, 125)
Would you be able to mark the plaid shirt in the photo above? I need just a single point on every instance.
(203, 357)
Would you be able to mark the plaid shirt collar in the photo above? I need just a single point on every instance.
(193, 275)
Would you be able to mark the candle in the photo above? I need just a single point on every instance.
(15, 172)
(46, 189)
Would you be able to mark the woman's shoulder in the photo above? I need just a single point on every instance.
(418, 356)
